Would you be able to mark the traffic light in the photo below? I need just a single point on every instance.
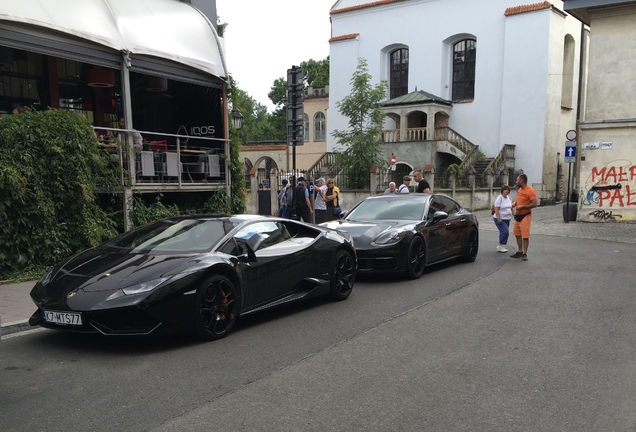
(295, 112)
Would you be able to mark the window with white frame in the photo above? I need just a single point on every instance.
(464, 56)
(319, 127)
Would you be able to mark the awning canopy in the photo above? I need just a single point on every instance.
(166, 29)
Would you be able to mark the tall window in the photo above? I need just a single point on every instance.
(399, 72)
(464, 54)
(319, 127)
(306, 127)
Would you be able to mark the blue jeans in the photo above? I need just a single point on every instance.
(504, 230)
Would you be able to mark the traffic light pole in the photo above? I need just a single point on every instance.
(295, 112)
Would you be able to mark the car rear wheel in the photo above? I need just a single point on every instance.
(343, 275)
(416, 259)
(472, 246)
(216, 308)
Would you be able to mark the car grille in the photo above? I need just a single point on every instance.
(382, 263)
(124, 322)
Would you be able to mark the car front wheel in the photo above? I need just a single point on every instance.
(216, 308)
(343, 275)
(472, 245)
(416, 259)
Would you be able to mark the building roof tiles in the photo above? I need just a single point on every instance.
(344, 37)
(363, 6)
(527, 8)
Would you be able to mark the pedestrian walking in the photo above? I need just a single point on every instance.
(502, 216)
(526, 201)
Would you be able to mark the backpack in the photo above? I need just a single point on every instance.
(299, 196)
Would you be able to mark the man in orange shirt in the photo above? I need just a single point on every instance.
(526, 201)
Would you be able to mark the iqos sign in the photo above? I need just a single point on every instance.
(202, 130)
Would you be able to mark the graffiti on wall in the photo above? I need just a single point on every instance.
(612, 185)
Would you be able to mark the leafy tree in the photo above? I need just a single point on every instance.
(362, 140)
(257, 124)
(50, 166)
(316, 72)
(278, 92)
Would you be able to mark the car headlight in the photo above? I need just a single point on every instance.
(144, 286)
(388, 237)
(139, 288)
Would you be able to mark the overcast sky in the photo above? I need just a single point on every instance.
(265, 38)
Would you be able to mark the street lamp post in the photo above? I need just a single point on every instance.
(237, 118)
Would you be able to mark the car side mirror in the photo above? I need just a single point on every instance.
(343, 214)
(253, 244)
(439, 215)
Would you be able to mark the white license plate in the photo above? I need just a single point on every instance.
(63, 318)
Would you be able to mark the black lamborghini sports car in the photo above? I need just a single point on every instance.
(406, 232)
(196, 272)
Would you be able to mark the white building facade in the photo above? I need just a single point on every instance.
(511, 70)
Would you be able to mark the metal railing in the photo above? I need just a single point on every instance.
(166, 160)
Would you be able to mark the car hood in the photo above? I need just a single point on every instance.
(103, 270)
(363, 233)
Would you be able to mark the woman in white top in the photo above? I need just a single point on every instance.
(502, 216)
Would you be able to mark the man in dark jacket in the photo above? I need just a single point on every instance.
(302, 202)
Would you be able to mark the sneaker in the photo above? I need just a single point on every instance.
(501, 249)
(516, 255)
(524, 257)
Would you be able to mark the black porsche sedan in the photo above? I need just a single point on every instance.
(406, 232)
(195, 272)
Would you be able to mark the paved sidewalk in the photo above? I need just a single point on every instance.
(16, 306)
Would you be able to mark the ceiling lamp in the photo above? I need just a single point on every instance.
(98, 77)
(156, 84)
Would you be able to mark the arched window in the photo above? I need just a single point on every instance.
(306, 127)
(319, 127)
(399, 81)
(464, 55)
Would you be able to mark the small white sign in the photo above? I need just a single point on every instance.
(591, 146)
(607, 145)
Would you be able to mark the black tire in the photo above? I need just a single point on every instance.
(343, 275)
(216, 308)
(472, 245)
(416, 259)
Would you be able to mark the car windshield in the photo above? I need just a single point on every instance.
(388, 208)
(187, 235)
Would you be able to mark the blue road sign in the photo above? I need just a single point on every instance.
(570, 152)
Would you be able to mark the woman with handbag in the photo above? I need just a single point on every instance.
(502, 215)
(332, 199)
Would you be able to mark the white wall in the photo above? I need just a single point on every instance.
(515, 95)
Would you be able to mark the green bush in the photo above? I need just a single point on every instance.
(50, 166)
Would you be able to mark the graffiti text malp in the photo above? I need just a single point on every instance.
(615, 174)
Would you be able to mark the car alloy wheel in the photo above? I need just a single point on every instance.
(416, 259)
(472, 245)
(343, 274)
(217, 308)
